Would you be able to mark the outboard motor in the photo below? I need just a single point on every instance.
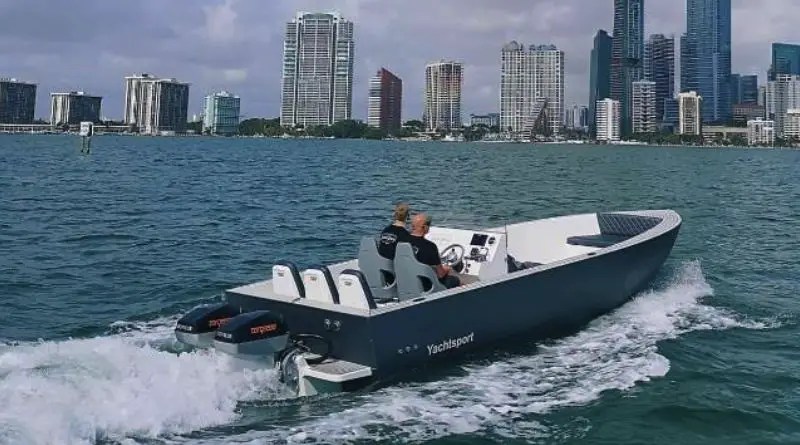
(260, 333)
(197, 328)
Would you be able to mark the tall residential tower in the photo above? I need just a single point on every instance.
(73, 108)
(599, 74)
(385, 101)
(659, 67)
(317, 85)
(627, 55)
(17, 101)
(154, 105)
(443, 83)
(531, 89)
(707, 56)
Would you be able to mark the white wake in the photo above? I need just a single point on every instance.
(121, 387)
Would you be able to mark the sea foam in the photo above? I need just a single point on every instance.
(126, 386)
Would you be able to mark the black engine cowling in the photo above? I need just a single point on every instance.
(198, 326)
(260, 333)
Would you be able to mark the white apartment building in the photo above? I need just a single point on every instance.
(608, 120)
(643, 107)
(154, 105)
(782, 95)
(689, 113)
(317, 82)
(443, 84)
(531, 83)
(791, 124)
(760, 132)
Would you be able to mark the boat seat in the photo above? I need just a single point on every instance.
(319, 285)
(379, 271)
(601, 241)
(354, 290)
(414, 278)
(286, 280)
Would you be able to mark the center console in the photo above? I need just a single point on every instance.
(484, 252)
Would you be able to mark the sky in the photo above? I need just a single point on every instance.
(237, 45)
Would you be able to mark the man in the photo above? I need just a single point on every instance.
(394, 233)
(426, 251)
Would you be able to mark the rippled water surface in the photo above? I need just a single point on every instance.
(100, 254)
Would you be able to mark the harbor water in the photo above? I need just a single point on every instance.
(101, 253)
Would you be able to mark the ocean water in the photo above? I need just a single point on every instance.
(101, 253)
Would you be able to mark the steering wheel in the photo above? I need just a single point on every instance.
(453, 256)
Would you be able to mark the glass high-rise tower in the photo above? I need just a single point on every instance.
(627, 55)
(706, 53)
(785, 60)
(659, 67)
(599, 75)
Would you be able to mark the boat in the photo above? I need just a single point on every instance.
(369, 320)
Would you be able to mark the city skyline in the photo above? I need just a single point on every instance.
(236, 45)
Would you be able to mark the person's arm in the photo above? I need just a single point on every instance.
(441, 269)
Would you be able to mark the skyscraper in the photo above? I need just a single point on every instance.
(785, 60)
(599, 74)
(643, 107)
(708, 56)
(73, 108)
(317, 84)
(608, 117)
(627, 54)
(744, 89)
(17, 101)
(154, 105)
(443, 83)
(385, 101)
(659, 67)
(221, 115)
(690, 113)
(531, 89)
(748, 89)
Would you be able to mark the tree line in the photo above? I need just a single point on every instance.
(346, 129)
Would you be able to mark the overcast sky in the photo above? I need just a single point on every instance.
(91, 45)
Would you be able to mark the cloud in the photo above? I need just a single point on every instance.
(234, 76)
(221, 21)
(237, 44)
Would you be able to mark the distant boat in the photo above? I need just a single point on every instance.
(451, 138)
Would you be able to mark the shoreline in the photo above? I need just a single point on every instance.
(489, 142)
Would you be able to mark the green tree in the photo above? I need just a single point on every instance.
(415, 125)
(375, 133)
(403, 132)
(348, 129)
(475, 132)
(196, 127)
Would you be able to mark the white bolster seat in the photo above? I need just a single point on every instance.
(354, 291)
(286, 280)
(319, 285)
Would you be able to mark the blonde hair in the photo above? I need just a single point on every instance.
(401, 212)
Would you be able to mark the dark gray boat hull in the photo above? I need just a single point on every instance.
(539, 303)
